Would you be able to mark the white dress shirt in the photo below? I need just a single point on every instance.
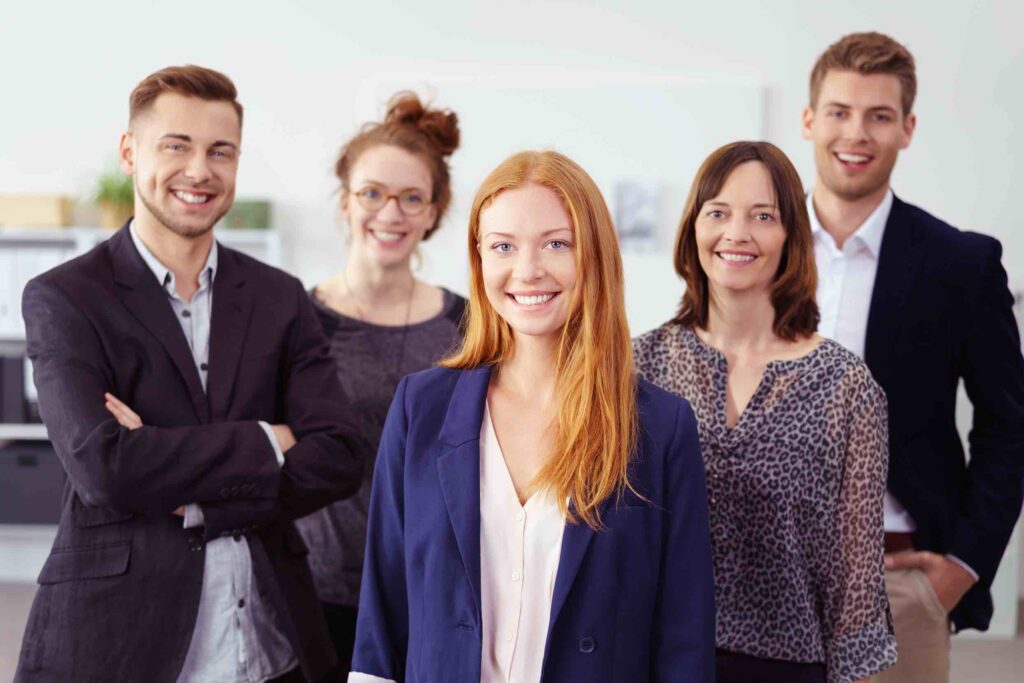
(846, 279)
(236, 638)
(520, 546)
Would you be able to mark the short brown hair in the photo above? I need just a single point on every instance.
(428, 133)
(189, 80)
(796, 312)
(868, 53)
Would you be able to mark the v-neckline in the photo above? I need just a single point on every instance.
(491, 435)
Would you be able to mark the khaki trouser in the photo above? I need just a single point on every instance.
(922, 630)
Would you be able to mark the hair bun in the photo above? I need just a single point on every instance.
(440, 125)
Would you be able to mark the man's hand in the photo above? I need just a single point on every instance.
(124, 415)
(949, 580)
(285, 438)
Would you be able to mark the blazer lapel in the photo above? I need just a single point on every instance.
(459, 468)
(146, 300)
(232, 308)
(898, 262)
(575, 541)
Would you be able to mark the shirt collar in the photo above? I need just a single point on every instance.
(162, 273)
(870, 231)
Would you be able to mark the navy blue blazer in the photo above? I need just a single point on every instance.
(634, 602)
(940, 312)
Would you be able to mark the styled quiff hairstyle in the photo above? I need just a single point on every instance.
(430, 134)
(189, 80)
(793, 291)
(595, 386)
(868, 53)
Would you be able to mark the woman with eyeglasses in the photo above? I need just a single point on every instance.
(382, 322)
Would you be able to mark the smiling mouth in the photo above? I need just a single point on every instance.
(735, 258)
(855, 160)
(192, 197)
(385, 236)
(532, 299)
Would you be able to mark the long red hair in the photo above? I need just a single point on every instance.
(595, 386)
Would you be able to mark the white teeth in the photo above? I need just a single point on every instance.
(738, 258)
(192, 198)
(388, 236)
(533, 300)
(853, 158)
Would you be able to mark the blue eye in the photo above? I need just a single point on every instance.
(412, 198)
(558, 245)
(716, 213)
(502, 247)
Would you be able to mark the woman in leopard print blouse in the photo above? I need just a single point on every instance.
(792, 429)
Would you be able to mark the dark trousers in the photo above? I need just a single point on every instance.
(341, 624)
(733, 667)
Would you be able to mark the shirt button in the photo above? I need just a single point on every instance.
(186, 313)
(241, 603)
(516, 576)
(508, 637)
(520, 516)
(204, 367)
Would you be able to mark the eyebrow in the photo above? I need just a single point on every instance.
(876, 107)
(188, 138)
(497, 233)
(370, 181)
(754, 206)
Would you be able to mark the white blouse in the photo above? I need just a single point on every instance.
(519, 550)
(520, 546)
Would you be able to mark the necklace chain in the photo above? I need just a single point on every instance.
(362, 317)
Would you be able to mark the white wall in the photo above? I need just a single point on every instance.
(66, 70)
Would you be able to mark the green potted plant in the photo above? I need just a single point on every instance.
(116, 198)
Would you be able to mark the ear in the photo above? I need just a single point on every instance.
(808, 120)
(909, 124)
(126, 153)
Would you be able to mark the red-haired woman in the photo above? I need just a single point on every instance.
(382, 322)
(792, 429)
(538, 512)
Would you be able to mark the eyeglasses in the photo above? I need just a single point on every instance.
(410, 202)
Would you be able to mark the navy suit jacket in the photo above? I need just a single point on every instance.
(119, 592)
(941, 311)
(632, 603)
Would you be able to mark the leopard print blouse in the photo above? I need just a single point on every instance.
(795, 492)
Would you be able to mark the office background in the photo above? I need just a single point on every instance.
(639, 92)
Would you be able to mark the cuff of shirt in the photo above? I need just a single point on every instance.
(963, 564)
(357, 677)
(273, 442)
(194, 516)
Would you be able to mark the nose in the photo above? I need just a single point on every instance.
(198, 168)
(390, 212)
(854, 128)
(528, 266)
(737, 230)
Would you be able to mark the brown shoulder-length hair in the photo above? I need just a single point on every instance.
(189, 80)
(792, 293)
(595, 386)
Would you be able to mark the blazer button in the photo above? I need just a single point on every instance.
(225, 492)
(234, 490)
(587, 645)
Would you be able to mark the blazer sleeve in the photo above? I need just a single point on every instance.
(684, 635)
(326, 462)
(993, 374)
(382, 629)
(142, 470)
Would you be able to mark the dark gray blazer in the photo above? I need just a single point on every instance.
(119, 592)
